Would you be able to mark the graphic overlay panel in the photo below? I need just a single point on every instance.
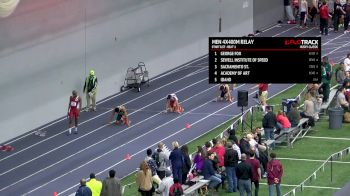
(264, 60)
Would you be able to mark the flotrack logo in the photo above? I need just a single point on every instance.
(302, 43)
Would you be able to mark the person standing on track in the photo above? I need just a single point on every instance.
(172, 104)
(74, 108)
(121, 116)
(90, 88)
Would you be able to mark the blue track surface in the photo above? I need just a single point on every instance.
(56, 163)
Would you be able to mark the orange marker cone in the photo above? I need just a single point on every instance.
(54, 193)
(188, 125)
(127, 157)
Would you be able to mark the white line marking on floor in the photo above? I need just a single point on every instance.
(311, 160)
(328, 138)
(293, 27)
(121, 93)
(315, 187)
(65, 131)
(98, 173)
(71, 141)
(103, 141)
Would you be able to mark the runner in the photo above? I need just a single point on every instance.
(172, 104)
(224, 91)
(74, 108)
(120, 115)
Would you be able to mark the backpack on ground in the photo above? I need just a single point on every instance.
(176, 190)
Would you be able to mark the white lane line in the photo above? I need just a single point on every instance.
(293, 27)
(342, 46)
(304, 32)
(102, 101)
(311, 160)
(96, 144)
(199, 135)
(315, 187)
(65, 131)
(71, 141)
(328, 138)
(192, 124)
(274, 26)
(332, 39)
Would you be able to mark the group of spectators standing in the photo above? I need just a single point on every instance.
(111, 186)
(239, 163)
(331, 13)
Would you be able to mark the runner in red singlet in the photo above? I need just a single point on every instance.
(74, 108)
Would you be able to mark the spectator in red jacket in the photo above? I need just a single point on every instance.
(324, 17)
(219, 150)
(274, 174)
(282, 121)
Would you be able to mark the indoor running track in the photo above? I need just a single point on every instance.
(56, 163)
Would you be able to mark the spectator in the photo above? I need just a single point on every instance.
(326, 74)
(94, 185)
(340, 74)
(111, 185)
(269, 123)
(324, 17)
(338, 11)
(90, 88)
(257, 134)
(274, 174)
(153, 166)
(83, 189)
(219, 150)
(289, 12)
(282, 121)
(198, 159)
(237, 149)
(161, 160)
(313, 12)
(341, 101)
(244, 145)
(253, 144)
(209, 172)
(176, 189)
(176, 159)
(165, 185)
(230, 162)
(294, 115)
(144, 180)
(244, 176)
(256, 171)
(303, 13)
(207, 147)
(187, 163)
(347, 59)
(346, 8)
(309, 109)
(232, 135)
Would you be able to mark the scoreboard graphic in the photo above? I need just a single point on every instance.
(264, 60)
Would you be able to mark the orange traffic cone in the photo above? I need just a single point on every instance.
(54, 193)
(188, 125)
(127, 157)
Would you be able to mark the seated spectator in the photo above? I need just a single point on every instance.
(83, 189)
(294, 115)
(209, 172)
(165, 185)
(120, 115)
(111, 185)
(144, 180)
(309, 110)
(94, 185)
(153, 166)
(198, 159)
(172, 104)
(176, 189)
(225, 94)
(282, 121)
(341, 101)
